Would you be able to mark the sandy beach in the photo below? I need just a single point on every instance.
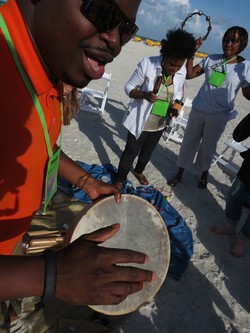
(213, 295)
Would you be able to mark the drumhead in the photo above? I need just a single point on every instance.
(141, 229)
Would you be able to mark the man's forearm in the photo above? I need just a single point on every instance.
(70, 170)
(21, 276)
(75, 175)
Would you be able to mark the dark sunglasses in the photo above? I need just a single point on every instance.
(107, 16)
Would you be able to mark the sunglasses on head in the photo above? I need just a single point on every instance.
(107, 16)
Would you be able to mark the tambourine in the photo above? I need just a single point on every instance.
(200, 13)
(141, 229)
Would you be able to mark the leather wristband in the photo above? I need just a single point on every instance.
(49, 290)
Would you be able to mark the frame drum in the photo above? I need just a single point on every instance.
(141, 229)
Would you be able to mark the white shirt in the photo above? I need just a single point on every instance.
(144, 78)
(211, 99)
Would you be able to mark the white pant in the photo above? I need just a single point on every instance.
(202, 134)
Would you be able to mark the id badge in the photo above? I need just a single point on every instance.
(51, 178)
(160, 107)
(217, 78)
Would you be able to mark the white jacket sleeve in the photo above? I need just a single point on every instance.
(138, 77)
(179, 80)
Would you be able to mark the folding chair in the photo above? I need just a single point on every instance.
(93, 100)
(229, 164)
(180, 123)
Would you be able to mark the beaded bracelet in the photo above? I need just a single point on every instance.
(50, 275)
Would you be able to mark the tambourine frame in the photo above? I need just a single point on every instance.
(200, 13)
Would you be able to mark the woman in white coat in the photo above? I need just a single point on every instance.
(156, 83)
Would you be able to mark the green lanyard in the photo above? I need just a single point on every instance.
(165, 80)
(52, 167)
(225, 62)
(217, 78)
(160, 107)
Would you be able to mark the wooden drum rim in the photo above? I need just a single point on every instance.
(152, 239)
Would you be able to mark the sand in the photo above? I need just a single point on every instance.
(214, 292)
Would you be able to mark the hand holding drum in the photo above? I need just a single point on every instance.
(87, 273)
(116, 277)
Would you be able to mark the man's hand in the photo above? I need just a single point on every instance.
(95, 188)
(89, 274)
(73, 173)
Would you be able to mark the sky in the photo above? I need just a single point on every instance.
(155, 17)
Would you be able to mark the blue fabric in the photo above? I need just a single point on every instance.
(181, 239)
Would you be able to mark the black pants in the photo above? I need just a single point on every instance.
(144, 146)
